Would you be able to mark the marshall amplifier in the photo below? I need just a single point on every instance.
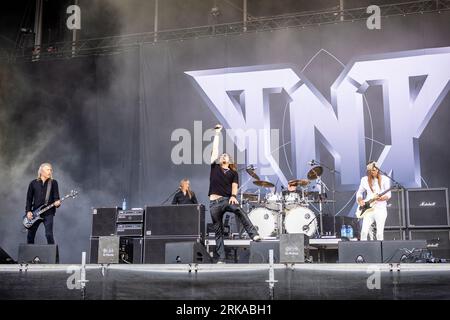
(438, 240)
(129, 229)
(176, 220)
(130, 216)
(427, 208)
(396, 210)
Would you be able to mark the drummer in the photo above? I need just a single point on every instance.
(290, 188)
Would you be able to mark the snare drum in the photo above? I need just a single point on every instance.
(273, 201)
(291, 200)
(265, 221)
(300, 220)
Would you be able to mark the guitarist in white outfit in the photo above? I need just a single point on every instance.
(373, 184)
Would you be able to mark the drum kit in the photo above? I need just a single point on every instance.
(287, 211)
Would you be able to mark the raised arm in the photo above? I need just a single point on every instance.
(215, 147)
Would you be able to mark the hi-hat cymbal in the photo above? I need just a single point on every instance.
(265, 184)
(299, 182)
(252, 173)
(315, 172)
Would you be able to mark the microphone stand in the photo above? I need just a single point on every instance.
(333, 190)
(171, 195)
(402, 189)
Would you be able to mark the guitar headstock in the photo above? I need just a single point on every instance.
(72, 194)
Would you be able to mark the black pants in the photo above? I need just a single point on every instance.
(217, 209)
(48, 224)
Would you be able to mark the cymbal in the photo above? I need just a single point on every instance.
(252, 173)
(315, 172)
(265, 184)
(299, 182)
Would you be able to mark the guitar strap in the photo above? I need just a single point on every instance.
(49, 187)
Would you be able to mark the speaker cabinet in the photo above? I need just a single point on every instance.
(396, 210)
(186, 252)
(396, 251)
(38, 253)
(293, 247)
(93, 250)
(427, 208)
(5, 257)
(130, 250)
(104, 222)
(155, 247)
(359, 252)
(176, 220)
(438, 240)
(259, 251)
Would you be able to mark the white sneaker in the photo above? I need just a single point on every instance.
(257, 238)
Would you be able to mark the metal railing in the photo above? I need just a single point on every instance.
(114, 44)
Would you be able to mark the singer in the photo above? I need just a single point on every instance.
(223, 187)
(373, 184)
(184, 195)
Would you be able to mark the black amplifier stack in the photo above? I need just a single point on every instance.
(420, 214)
(141, 234)
(169, 224)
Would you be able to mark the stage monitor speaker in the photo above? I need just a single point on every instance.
(293, 248)
(396, 210)
(130, 250)
(360, 252)
(5, 258)
(108, 249)
(394, 234)
(104, 222)
(155, 247)
(38, 253)
(438, 241)
(259, 251)
(186, 252)
(427, 208)
(177, 220)
(396, 251)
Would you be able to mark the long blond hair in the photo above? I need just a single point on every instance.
(45, 164)
(189, 191)
(370, 179)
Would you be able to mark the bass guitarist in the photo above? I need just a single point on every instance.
(373, 185)
(42, 191)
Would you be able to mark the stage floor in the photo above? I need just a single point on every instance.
(229, 281)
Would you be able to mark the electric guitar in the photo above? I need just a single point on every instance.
(367, 207)
(28, 223)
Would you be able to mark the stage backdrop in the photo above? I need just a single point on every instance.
(132, 125)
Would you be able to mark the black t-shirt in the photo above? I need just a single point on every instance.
(181, 198)
(37, 192)
(220, 180)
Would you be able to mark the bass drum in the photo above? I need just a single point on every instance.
(265, 221)
(300, 220)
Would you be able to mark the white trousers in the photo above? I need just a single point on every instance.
(378, 215)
